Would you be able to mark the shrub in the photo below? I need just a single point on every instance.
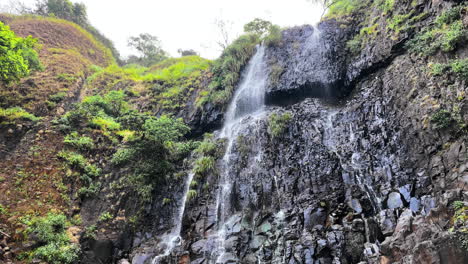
(442, 119)
(90, 190)
(79, 142)
(460, 67)
(73, 159)
(203, 165)
(277, 124)
(207, 146)
(11, 115)
(18, 55)
(57, 248)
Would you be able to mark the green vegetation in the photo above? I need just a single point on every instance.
(74, 12)
(152, 152)
(79, 142)
(339, 8)
(87, 172)
(149, 48)
(276, 70)
(58, 97)
(227, 69)
(447, 34)
(457, 67)
(18, 56)
(460, 223)
(442, 119)
(105, 217)
(274, 37)
(56, 246)
(258, 26)
(14, 114)
(278, 123)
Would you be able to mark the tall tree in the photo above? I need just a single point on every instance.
(149, 47)
(258, 26)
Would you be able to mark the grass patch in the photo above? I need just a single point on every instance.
(278, 123)
(15, 114)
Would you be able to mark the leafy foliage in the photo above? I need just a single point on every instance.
(149, 48)
(57, 248)
(258, 26)
(18, 56)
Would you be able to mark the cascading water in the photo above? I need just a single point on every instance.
(247, 106)
(174, 239)
(355, 166)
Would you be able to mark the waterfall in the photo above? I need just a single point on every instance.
(174, 239)
(246, 107)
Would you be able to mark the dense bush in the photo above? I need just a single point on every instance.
(18, 56)
(56, 246)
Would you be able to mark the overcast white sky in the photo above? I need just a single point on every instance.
(189, 24)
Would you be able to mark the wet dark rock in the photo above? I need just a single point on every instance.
(361, 180)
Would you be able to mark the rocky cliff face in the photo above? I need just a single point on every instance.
(358, 172)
